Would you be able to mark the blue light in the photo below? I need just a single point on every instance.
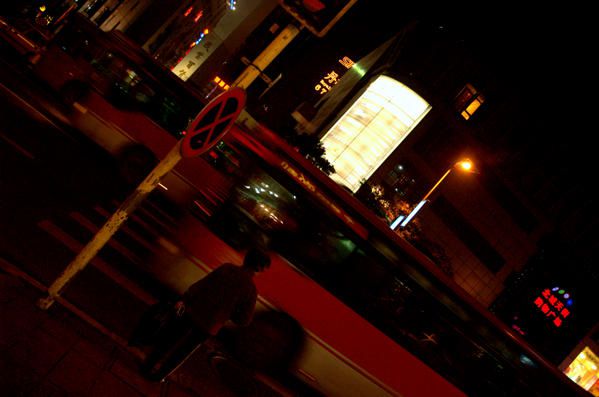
(569, 302)
(199, 39)
(413, 213)
(396, 222)
(527, 361)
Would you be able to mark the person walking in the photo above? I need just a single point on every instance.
(228, 293)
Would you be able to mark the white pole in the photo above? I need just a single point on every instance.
(111, 226)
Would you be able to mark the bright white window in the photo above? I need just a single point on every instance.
(378, 121)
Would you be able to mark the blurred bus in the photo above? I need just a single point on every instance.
(376, 309)
(126, 103)
(380, 318)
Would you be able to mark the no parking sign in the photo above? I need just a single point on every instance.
(213, 122)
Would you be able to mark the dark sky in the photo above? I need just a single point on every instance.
(534, 45)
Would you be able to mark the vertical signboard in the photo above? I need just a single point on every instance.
(197, 55)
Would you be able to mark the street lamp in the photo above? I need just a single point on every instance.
(463, 165)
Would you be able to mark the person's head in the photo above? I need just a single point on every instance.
(257, 260)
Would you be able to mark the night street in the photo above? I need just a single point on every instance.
(57, 189)
(412, 193)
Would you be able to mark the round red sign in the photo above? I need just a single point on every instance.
(213, 122)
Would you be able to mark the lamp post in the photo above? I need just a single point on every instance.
(464, 165)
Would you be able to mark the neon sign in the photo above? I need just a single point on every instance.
(555, 304)
(332, 78)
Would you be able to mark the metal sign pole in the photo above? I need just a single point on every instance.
(111, 225)
(209, 126)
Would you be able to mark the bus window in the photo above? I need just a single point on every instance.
(266, 208)
(78, 43)
(128, 88)
(122, 77)
(225, 158)
(167, 112)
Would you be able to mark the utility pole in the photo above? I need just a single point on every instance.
(256, 67)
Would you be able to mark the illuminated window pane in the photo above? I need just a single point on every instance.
(584, 370)
(473, 106)
(468, 101)
(372, 129)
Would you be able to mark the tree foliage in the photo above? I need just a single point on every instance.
(311, 147)
(389, 208)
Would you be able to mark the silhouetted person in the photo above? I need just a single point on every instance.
(228, 293)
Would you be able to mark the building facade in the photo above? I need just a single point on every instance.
(481, 222)
(525, 220)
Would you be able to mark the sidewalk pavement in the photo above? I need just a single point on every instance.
(56, 353)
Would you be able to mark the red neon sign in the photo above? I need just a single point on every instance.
(554, 303)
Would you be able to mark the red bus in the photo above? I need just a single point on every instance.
(375, 307)
(380, 318)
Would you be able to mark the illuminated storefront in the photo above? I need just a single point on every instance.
(374, 126)
(584, 370)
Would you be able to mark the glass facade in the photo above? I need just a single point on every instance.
(374, 126)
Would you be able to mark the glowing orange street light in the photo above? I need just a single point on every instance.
(465, 165)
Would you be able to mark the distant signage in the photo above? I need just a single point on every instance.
(330, 79)
(555, 304)
(196, 56)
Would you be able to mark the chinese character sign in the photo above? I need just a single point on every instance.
(327, 82)
(196, 55)
(555, 305)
